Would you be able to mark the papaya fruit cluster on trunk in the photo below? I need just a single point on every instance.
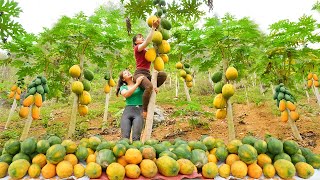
(312, 80)
(158, 53)
(223, 91)
(185, 73)
(285, 102)
(81, 87)
(34, 98)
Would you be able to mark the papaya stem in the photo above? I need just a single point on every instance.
(294, 128)
(13, 107)
(152, 103)
(26, 128)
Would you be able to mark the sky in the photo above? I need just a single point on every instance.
(44, 13)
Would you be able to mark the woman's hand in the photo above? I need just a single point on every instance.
(155, 24)
(139, 79)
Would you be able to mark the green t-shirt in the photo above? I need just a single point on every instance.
(136, 97)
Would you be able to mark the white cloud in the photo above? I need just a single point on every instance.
(266, 12)
(44, 13)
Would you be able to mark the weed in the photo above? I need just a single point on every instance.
(250, 133)
(193, 122)
(81, 130)
(57, 128)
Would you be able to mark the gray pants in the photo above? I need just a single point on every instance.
(131, 118)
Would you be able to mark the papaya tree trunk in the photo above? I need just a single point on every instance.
(316, 93)
(152, 104)
(27, 126)
(209, 78)
(105, 115)
(194, 80)
(231, 130)
(170, 81)
(272, 88)
(294, 128)
(261, 90)
(308, 97)
(186, 90)
(108, 95)
(255, 78)
(177, 85)
(72, 125)
(13, 108)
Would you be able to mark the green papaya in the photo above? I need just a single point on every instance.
(163, 10)
(165, 34)
(38, 81)
(86, 85)
(46, 88)
(216, 77)
(40, 89)
(162, 2)
(43, 80)
(165, 23)
(31, 85)
(282, 89)
(159, 12)
(88, 74)
(155, 2)
(32, 91)
(280, 96)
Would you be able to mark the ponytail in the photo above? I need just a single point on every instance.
(120, 83)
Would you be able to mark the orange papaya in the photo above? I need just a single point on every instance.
(38, 100)
(28, 101)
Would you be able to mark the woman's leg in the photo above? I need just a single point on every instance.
(126, 122)
(137, 124)
(162, 76)
(146, 85)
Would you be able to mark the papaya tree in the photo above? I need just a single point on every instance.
(182, 54)
(23, 50)
(288, 55)
(71, 41)
(10, 28)
(224, 42)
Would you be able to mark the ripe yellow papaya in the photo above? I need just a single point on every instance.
(35, 112)
(291, 106)
(24, 111)
(282, 105)
(38, 100)
(28, 101)
(284, 116)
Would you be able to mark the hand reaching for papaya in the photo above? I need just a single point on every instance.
(156, 23)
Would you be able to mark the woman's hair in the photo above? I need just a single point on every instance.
(134, 39)
(120, 82)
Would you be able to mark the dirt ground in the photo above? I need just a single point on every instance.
(249, 119)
